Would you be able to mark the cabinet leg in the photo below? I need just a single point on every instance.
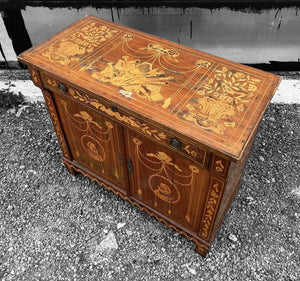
(70, 169)
(201, 249)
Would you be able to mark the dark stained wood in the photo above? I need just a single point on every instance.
(234, 182)
(94, 140)
(166, 181)
(165, 127)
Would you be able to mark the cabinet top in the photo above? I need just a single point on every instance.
(214, 101)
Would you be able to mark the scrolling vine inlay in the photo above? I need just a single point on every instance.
(143, 127)
(216, 188)
(143, 73)
(225, 95)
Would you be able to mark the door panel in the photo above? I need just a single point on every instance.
(92, 138)
(166, 181)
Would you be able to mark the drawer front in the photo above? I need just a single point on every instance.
(172, 141)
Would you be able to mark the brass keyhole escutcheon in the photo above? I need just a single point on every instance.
(113, 108)
(175, 143)
(62, 87)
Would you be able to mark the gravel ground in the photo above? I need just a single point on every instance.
(55, 226)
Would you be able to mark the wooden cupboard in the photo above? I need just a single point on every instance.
(165, 127)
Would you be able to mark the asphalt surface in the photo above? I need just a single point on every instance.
(55, 226)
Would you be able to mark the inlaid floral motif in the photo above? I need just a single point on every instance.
(52, 82)
(190, 152)
(136, 77)
(78, 43)
(91, 36)
(123, 118)
(196, 153)
(224, 95)
(211, 208)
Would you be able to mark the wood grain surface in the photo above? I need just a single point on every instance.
(213, 101)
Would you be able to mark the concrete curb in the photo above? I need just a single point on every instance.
(288, 92)
(28, 90)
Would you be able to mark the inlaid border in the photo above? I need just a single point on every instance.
(211, 207)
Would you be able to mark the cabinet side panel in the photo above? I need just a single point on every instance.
(56, 123)
(233, 185)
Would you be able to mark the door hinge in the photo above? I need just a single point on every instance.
(120, 158)
(129, 166)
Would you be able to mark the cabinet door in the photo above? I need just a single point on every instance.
(166, 181)
(94, 140)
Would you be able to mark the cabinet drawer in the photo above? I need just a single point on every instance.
(193, 152)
